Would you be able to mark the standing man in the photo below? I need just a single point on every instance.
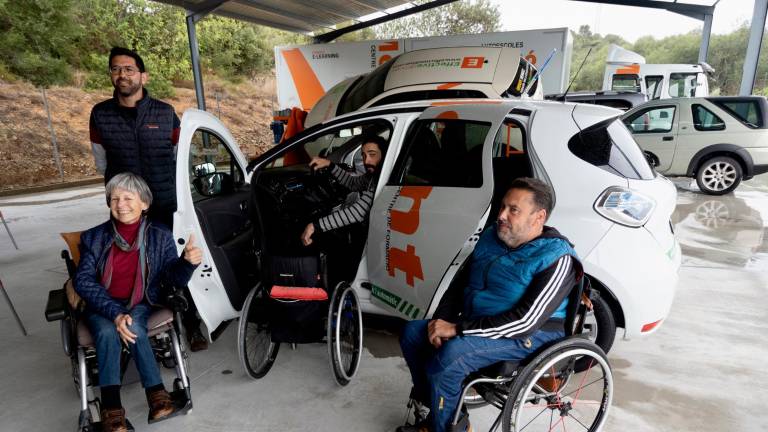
(136, 133)
(520, 276)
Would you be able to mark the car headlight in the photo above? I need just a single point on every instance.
(624, 206)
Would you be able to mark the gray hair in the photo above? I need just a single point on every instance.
(542, 193)
(132, 183)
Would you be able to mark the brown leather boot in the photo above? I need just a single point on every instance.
(113, 420)
(160, 405)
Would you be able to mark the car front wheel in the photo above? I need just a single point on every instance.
(719, 175)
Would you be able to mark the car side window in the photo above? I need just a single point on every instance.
(509, 140)
(213, 169)
(442, 153)
(342, 141)
(653, 86)
(652, 120)
(706, 120)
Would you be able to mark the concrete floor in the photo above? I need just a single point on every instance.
(702, 371)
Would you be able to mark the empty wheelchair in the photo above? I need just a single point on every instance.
(164, 331)
(293, 304)
(564, 386)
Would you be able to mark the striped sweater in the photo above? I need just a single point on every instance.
(354, 211)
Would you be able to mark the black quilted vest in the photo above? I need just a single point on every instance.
(142, 146)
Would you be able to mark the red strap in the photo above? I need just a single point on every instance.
(298, 293)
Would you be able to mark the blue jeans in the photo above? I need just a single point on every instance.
(109, 347)
(438, 373)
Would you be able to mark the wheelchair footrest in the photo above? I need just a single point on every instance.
(297, 293)
(96, 426)
(182, 404)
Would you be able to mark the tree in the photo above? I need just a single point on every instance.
(461, 17)
(35, 39)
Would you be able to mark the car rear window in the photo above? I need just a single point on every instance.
(429, 94)
(746, 111)
(609, 145)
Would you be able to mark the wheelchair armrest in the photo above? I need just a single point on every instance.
(57, 307)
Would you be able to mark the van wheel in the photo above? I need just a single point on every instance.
(719, 175)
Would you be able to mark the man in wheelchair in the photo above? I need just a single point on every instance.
(521, 273)
(123, 263)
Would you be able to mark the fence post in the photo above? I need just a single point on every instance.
(53, 137)
(9, 231)
(13, 309)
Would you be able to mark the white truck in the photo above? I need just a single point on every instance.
(627, 71)
(306, 72)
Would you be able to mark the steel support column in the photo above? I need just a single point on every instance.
(753, 48)
(194, 52)
(706, 32)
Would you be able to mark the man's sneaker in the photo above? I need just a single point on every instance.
(198, 342)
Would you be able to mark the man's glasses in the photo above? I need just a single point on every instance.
(117, 70)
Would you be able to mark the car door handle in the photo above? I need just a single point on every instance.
(668, 138)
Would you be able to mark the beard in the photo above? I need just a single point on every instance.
(369, 168)
(508, 235)
(127, 90)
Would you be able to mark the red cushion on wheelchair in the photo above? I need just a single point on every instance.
(298, 293)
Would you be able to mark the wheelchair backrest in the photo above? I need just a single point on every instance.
(73, 258)
(577, 308)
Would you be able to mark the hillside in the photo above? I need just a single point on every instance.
(26, 152)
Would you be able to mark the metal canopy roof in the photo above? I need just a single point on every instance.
(300, 16)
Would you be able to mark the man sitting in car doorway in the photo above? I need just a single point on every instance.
(355, 210)
(520, 275)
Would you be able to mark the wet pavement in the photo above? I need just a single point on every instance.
(702, 371)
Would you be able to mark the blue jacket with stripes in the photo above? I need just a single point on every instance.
(514, 292)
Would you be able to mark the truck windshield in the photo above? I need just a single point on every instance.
(626, 82)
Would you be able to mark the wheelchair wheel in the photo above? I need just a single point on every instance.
(255, 348)
(345, 333)
(550, 395)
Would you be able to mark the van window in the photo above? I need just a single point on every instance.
(442, 153)
(626, 82)
(653, 86)
(746, 111)
(706, 120)
(682, 84)
(609, 145)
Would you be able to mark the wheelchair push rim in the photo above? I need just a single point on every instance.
(549, 395)
(345, 333)
(256, 350)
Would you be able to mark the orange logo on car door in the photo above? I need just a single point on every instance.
(407, 222)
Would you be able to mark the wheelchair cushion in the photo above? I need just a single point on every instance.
(159, 321)
(297, 293)
(500, 369)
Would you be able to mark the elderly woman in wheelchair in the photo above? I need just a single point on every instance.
(124, 263)
(500, 332)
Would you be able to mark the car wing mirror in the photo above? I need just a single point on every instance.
(213, 184)
(203, 169)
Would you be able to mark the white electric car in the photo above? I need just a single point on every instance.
(447, 166)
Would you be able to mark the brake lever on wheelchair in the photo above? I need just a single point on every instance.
(177, 301)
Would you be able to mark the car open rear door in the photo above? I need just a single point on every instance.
(213, 204)
(428, 216)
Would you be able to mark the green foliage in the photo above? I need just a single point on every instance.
(35, 39)
(461, 17)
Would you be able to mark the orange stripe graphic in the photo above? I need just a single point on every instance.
(447, 86)
(631, 69)
(304, 78)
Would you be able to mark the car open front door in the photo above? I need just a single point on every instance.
(429, 214)
(213, 197)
